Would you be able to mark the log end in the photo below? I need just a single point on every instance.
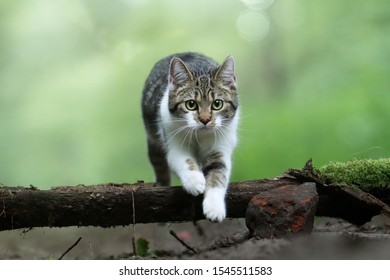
(282, 211)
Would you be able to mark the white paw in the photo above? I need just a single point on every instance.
(214, 204)
(194, 182)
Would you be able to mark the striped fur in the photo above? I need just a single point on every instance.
(190, 111)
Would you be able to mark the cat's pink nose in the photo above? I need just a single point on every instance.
(204, 121)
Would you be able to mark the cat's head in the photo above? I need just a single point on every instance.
(204, 100)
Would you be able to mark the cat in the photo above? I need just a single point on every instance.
(190, 112)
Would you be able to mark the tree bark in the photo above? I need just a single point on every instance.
(108, 205)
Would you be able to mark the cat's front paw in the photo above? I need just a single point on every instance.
(214, 205)
(194, 182)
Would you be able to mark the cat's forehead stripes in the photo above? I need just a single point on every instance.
(203, 83)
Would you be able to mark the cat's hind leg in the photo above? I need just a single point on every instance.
(158, 159)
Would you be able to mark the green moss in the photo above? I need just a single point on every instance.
(366, 173)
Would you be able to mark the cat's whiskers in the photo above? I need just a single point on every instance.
(193, 131)
(196, 137)
(172, 120)
(215, 131)
(225, 126)
(239, 130)
(223, 129)
(221, 133)
(173, 134)
(189, 132)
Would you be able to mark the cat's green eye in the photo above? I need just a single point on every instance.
(217, 104)
(191, 105)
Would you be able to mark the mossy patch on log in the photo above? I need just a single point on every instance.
(365, 173)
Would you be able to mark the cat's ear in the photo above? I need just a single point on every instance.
(178, 73)
(226, 73)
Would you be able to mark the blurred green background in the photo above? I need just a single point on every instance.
(314, 80)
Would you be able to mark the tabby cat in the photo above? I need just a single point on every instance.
(190, 112)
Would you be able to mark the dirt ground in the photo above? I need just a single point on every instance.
(331, 239)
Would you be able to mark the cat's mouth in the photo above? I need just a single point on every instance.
(205, 128)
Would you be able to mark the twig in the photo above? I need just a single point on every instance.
(70, 248)
(232, 240)
(199, 228)
(182, 241)
(25, 231)
(133, 237)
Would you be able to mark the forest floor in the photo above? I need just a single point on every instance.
(331, 239)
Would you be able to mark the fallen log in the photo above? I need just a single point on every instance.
(108, 205)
